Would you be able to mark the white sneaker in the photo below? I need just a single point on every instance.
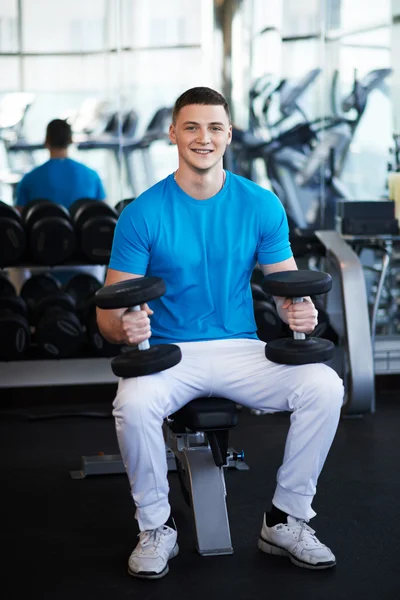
(296, 540)
(149, 560)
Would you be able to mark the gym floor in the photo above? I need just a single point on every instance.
(64, 538)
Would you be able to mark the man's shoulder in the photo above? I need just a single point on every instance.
(153, 195)
(149, 201)
(249, 189)
(81, 167)
(35, 173)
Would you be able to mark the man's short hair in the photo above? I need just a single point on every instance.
(58, 134)
(200, 95)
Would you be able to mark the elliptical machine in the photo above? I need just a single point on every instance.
(304, 162)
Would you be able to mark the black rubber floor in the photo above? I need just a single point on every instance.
(66, 539)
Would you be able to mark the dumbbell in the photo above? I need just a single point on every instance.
(300, 349)
(99, 346)
(51, 236)
(12, 235)
(257, 275)
(6, 287)
(15, 333)
(269, 324)
(119, 207)
(82, 288)
(37, 287)
(143, 360)
(58, 331)
(94, 222)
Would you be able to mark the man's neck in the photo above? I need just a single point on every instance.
(200, 186)
(58, 153)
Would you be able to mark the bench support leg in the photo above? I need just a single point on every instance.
(206, 483)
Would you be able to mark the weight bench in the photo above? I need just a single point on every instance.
(197, 438)
(198, 435)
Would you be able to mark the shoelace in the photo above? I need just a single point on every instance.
(152, 537)
(307, 534)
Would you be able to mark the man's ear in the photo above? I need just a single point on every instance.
(229, 135)
(172, 135)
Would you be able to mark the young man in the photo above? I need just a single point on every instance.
(202, 230)
(60, 179)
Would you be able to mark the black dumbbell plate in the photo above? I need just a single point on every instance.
(82, 287)
(135, 363)
(288, 351)
(296, 284)
(131, 292)
(14, 336)
(6, 287)
(12, 235)
(96, 237)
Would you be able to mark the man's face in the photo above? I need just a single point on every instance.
(201, 133)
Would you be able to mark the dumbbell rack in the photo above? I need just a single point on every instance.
(66, 371)
(55, 372)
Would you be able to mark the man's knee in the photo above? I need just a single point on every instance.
(324, 385)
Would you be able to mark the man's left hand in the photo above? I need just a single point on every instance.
(300, 316)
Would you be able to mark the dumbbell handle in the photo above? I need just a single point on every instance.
(145, 345)
(298, 335)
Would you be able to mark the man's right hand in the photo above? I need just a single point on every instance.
(136, 325)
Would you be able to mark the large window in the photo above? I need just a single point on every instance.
(101, 59)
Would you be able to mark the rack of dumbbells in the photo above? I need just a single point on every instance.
(48, 331)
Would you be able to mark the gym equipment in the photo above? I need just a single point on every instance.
(119, 207)
(257, 276)
(6, 287)
(196, 438)
(269, 324)
(94, 222)
(15, 332)
(82, 287)
(298, 350)
(12, 235)
(120, 127)
(51, 236)
(35, 288)
(367, 218)
(58, 332)
(308, 156)
(156, 130)
(198, 435)
(143, 360)
(99, 346)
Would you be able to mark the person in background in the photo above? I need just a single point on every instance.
(60, 179)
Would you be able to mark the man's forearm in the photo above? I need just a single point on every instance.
(110, 325)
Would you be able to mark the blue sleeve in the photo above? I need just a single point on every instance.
(22, 193)
(274, 245)
(130, 251)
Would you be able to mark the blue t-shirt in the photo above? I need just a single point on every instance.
(61, 180)
(205, 250)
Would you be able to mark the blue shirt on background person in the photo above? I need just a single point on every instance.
(60, 179)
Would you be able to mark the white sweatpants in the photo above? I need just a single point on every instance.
(236, 370)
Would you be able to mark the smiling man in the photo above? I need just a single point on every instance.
(203, 229)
